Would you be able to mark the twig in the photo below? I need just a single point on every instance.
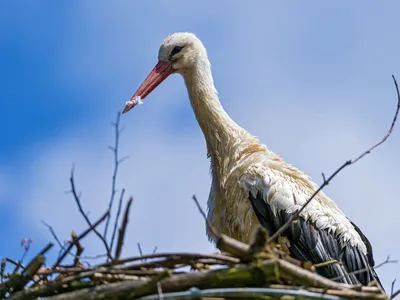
(140, 249)
(79, 248)
(117, 162)
(53, 233)
(208, 222)
(78, 202)
(117, 219)
(347, 163)
(122, 229)
(81, 236)
(177, 255)
(395, 294)
(392, 288)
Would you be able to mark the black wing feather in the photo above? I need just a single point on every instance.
(308, 243)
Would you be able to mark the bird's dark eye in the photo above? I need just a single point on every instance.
(176, 50)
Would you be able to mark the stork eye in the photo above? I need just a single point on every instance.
(176, 50)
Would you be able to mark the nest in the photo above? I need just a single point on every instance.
(240, 271)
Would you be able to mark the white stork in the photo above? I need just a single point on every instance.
(251, 184)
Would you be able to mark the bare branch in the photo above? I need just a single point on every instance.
(53, 233)
(81, 236)
(78, 202)
(140, 249)
(209, 224)
(122, 229)
(117, 162)
(347, 163)
(117, 219)
(392, 288)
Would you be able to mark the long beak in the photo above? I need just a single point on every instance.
(160, 72)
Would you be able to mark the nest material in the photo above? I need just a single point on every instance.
(258, 271)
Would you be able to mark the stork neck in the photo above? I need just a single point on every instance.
(219, 130)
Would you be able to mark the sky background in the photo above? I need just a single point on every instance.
(311, 80)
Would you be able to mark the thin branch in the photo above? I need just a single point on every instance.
(208, 222)
(79, 248)
(53, 233)
(117, 219)
(81, 236)
(347, 163)
(122, 229)
(395, 294)
(78, 202)
(117, 161)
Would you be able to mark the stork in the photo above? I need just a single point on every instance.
(253, 185)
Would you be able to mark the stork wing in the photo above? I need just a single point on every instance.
(309, 243)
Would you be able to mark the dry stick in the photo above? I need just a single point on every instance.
(121, 198)
(395, 294)
(79, 248)
(62, 247)
(392, 288)
(78, 202)
(209, 224)
(347, 163)
(122, 229)
(117, 162)
(220, 257)
(81, 236)
(53, 233)
(225, 243)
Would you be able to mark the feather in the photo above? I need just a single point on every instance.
(316, 245)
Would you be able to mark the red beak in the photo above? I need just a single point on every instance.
(161, 71)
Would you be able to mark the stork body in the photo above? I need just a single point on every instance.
(251, 184)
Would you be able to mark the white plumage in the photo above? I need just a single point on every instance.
(250, 183)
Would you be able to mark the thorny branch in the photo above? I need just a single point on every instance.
(347, 163)
(78, 202)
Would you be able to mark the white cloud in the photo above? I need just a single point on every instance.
(312, 122)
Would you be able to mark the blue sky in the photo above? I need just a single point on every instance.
(313, 81)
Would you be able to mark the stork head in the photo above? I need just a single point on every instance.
(179, 53)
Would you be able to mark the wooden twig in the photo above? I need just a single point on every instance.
(208, 222)
(121, 198)
(78, 203)
(347, 163)
(117, 162)
(122, 229)
(53, 233)
(81, 236)
(79, 249)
